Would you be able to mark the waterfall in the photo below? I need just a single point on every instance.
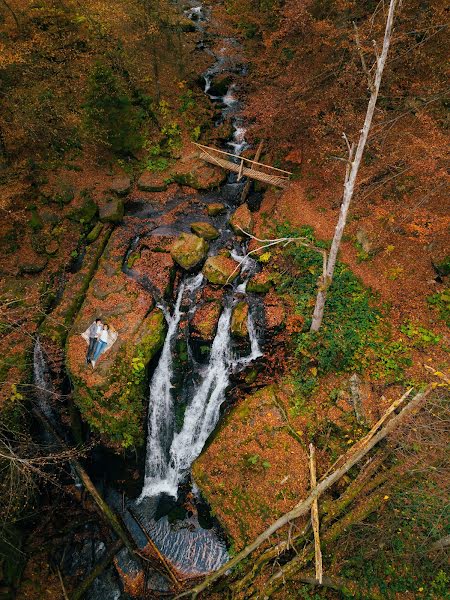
(161, 413)
(164, 471)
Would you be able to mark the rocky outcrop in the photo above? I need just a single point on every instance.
(205, 230)
(242, 220)
(275, 312)
(203, 325)
(189, 250)
(239, 317)
(190, 170)
(111, 397)
(220, 270)
(157, 268)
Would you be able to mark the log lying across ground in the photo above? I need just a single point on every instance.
(353, 456)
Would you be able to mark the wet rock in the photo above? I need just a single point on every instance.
(204, 322)
(220, 270)
(111, 397)
(152, 182)
(190, 170)
(216, 208)
(205, 230)
(239, 318)
(220, 85)
(242, 219)
(120, 185)
(260, 283)
(112, 211)
(189, 250)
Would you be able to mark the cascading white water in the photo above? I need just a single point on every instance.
(161, 413)
(202, 412)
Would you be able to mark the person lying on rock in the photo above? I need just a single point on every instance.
(102, 342)
(94, 332)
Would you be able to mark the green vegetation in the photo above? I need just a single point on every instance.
(354, 336)
(441, 301)
(113, 116)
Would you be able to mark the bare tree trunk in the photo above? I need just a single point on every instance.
(315, 515)
(354, 161)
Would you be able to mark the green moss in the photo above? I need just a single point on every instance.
(86, 213)
(35, 221)
(120, 415)
(94, 233)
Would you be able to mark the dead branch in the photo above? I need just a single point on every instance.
(315, 515)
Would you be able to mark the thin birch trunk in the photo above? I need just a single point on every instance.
(353, 165)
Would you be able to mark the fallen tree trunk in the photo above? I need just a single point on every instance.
(330, 511)
(304, 506)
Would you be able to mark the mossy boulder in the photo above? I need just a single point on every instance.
(204, 322)
(112, 400)
(86, 212)
(260, 283)
(32, 268)
(239, 317)
(216, 208)
(205, 230)
(189, 250)
(112, 211)
(242, 220)
(220, 270)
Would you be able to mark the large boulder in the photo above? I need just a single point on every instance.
(239, 320)
(189, 250)
(111, 398)
(242, 220)
(112, 211)
(205, 230)
(204, 322)
(157, 268)
(220, 270)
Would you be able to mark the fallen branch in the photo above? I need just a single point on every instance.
(305, 505)
(315, 515)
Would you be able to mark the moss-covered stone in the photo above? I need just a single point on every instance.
(120, 185)
(189, 250)
(216, 208)
(114, 404)
(112, 211)
(220, 270)
(239, 317)
(260, 283)
(94, 233)
(242, 220)
(86, 213)
(205, 230)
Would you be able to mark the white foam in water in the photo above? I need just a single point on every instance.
(161, 413)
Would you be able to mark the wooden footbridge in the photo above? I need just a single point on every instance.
(244, 167)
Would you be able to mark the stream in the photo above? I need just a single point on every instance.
(185, 403)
